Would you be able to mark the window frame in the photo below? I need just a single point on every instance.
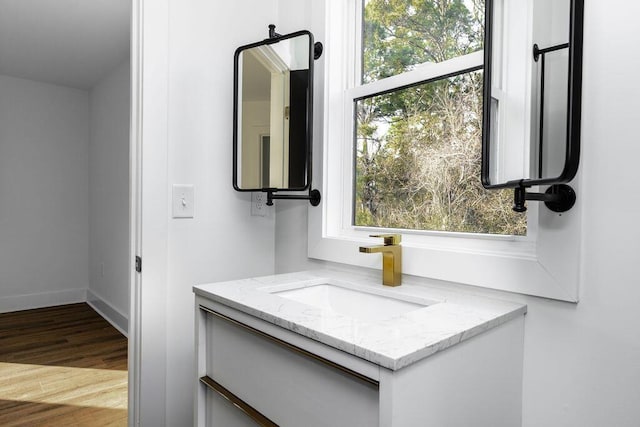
(543, 263)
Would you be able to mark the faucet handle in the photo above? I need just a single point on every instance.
(389, 239)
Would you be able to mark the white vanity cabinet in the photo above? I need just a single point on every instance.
(253, 372)
(284, 382)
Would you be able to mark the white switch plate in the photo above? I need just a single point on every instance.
(182, 201)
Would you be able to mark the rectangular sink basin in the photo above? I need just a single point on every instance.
(351, 302)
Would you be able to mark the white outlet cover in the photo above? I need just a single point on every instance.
(258, 204)
(182, 201)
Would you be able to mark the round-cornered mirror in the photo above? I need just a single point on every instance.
(532, 92)
(273, 114)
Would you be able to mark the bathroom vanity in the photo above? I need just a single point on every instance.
(330, 348)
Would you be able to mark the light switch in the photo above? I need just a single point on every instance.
(182, 201)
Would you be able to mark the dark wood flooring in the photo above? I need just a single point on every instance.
(62, 366)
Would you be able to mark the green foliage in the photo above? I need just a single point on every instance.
(400, 34)
(418, 149)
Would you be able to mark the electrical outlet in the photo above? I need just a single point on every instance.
(258, 203)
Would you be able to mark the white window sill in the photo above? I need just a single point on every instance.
(537, 274)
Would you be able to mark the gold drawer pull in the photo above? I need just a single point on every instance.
(295, 349)
(249, 410)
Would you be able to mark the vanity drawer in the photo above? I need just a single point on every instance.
(220, 411)
(284, 383)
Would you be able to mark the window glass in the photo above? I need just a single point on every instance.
(418, 161)
(418, 148)
(398, 35)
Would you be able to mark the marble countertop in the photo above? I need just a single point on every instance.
(393, 342)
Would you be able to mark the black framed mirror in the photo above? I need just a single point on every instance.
(532, 98)
(273, 114)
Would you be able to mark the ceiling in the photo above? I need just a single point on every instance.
(65, 42)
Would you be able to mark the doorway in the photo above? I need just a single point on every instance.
(64, 156)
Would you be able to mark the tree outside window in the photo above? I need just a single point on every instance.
(418, 148)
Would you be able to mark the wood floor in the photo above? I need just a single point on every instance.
(62, 366)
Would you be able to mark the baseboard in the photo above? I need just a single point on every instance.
(109, 312)
(43, 299)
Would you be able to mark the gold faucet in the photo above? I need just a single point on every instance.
(391, 258)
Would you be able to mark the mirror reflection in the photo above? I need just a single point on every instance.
(272, 102)
(529, 109)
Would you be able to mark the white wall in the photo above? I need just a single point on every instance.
(291, 216)
(109, 195)
(43, 194)
(223, 241)
(582, 361)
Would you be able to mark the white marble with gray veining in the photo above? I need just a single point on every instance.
(393, 342)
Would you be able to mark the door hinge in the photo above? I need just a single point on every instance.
(138, 264)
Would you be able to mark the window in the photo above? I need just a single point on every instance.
(417, 145)
(401, 152)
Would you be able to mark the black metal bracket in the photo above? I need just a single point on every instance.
(313, 197)
(537, 51)
(272, 32)
(558, 198)
(318, 48)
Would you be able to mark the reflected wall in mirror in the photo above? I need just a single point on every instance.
(272, 123)
(532, 92)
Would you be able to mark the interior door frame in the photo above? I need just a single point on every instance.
(135, 235)
(149, 209)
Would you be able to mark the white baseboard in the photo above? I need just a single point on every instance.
(44, 299)
(111, 314)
